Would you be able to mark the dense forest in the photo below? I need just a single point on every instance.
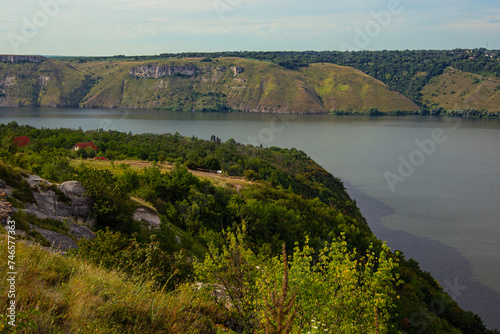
(287, 252)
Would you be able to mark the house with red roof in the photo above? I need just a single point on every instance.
(22, 141)
(84, 146)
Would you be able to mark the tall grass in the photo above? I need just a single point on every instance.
(72, 296)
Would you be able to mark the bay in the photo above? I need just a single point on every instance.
(427, 185)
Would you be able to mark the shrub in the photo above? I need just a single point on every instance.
(24, 193)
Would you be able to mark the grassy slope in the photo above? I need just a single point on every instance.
(49, 83)
(346, 88)
(72, 296)
(455, 90)
(262, 86)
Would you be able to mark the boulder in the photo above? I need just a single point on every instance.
(148, 216)
(35, 180)
(57, 241)
(82, 204)
(46, 202)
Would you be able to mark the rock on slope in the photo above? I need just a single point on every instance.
(65, 203)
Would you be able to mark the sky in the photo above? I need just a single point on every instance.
(148, 27)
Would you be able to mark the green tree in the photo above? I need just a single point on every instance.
(112, 204)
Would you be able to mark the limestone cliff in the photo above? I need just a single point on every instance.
(19, 59)
(159, 71)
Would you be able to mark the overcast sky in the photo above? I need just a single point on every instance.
(133, 27)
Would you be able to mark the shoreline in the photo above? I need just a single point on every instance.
(461, 113)
(445, 264)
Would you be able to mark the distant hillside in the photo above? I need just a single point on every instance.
(345, 88)
(196, 84)
(399, 82)
(37, 81)
(455, 90)
(238, 84)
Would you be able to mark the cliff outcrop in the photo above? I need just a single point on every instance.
(20, 59)
(160, 71)
(57, 216)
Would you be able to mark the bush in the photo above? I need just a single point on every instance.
(24, 193)
(145, 261)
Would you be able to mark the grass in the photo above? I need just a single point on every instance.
(454, 90)
(72, 296)
(24, 193)
(63, 87)
(263, 86)
(345, 88)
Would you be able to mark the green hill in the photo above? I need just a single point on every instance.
(238, 84)
(48, 83)
(345, 88)
(197, 84)
(455, 90)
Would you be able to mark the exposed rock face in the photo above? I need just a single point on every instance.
(58, 241)
(49, 205)
(156, 71)
(76, 210)
(43, 80)
(35, 180)
(147, 216)
(17, 59)
(82, 204)
(237, 70)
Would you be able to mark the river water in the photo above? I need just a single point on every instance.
(428, 186)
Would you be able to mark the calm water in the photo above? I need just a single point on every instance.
(440, 205)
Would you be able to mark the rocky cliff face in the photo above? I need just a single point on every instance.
(19, 59)
(66, 203)
(156, 71)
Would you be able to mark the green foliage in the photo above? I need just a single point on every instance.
(38, 238)
(110, 205)
(23, 221)
(354, 292)
(345, 292)
(280, 310)
(291, 199)
(144, 261)
(23, 192)
(233, 270)
(10, 175)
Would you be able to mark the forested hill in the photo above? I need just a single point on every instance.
(211, 261)
(369, 82)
